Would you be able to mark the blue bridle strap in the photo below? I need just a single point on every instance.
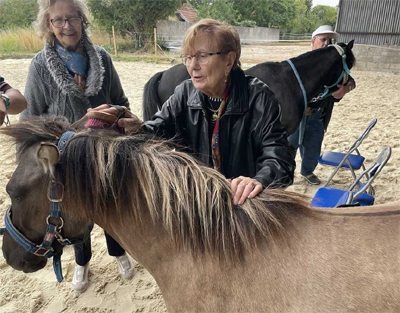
(303, 91)
(25, 243)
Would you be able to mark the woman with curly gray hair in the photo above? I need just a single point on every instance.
(69, 76)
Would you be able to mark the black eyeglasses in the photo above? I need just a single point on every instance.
(201, 57)
(60, 21)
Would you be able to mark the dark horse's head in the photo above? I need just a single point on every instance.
(29, 190)
(331, 67)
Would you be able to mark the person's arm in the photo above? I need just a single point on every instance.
(275, 162)
(275, 158)
(164, 123)
(11, 101)
(343, 89)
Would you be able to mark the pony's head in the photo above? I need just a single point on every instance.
(27, 242)
(340, 67)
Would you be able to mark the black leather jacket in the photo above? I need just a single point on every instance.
(253, 142)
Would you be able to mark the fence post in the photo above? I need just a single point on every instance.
(115, 43)
(155, 40)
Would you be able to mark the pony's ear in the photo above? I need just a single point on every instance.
(350, 44)
(48, 156)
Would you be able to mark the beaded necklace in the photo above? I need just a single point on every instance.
(215, 105)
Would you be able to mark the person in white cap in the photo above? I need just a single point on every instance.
(318, 116)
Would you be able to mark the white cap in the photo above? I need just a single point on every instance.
(324, 29)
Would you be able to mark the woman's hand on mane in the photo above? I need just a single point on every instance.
(125, 118)
(244, 188)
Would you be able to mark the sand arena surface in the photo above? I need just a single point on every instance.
(377, 95)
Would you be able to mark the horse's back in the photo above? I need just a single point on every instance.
(170, 79)
(151, 100)
(392, 208)
(160, 87)
(278, 76)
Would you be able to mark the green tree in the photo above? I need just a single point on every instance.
(222, 10)
(17, 13)
(135, 18)
(324, 15)
(268, 13)
(281, 13)
(303, 21)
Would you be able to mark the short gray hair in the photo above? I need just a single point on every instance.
(42, 20)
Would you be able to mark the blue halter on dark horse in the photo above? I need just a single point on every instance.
(295, 82)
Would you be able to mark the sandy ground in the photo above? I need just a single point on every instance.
(376, 95)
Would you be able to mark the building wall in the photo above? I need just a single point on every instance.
(375, 58)
(172, 33)
(375, 27)
(370, 22)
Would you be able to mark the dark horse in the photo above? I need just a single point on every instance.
(316, 70)
(177, 218)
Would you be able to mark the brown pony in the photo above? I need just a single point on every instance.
(176, 217)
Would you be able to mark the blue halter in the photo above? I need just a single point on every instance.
(342, 78)
(53, 231)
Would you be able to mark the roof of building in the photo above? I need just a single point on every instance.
(186, 13)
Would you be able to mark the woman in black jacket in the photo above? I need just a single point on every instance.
(226, 119)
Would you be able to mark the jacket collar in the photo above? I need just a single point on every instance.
(65, 81)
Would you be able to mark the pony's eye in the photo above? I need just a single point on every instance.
(15, 193)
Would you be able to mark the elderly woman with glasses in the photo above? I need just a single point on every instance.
(227, 120)
(66, 78)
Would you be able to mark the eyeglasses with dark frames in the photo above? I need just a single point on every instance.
(201, 57)
(61, 21)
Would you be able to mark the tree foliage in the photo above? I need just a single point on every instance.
(17, 13)
(324, 15)
(288, 15)
(222, 10)
(135, 18)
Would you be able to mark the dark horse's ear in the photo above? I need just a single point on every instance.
(350, 44)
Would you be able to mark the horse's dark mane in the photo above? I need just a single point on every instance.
(105, 173)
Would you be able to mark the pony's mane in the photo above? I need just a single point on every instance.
(104, 173)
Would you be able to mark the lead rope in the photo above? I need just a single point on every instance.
(302, 126)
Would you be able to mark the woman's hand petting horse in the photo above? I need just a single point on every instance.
(244, 188)
(124, 118)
